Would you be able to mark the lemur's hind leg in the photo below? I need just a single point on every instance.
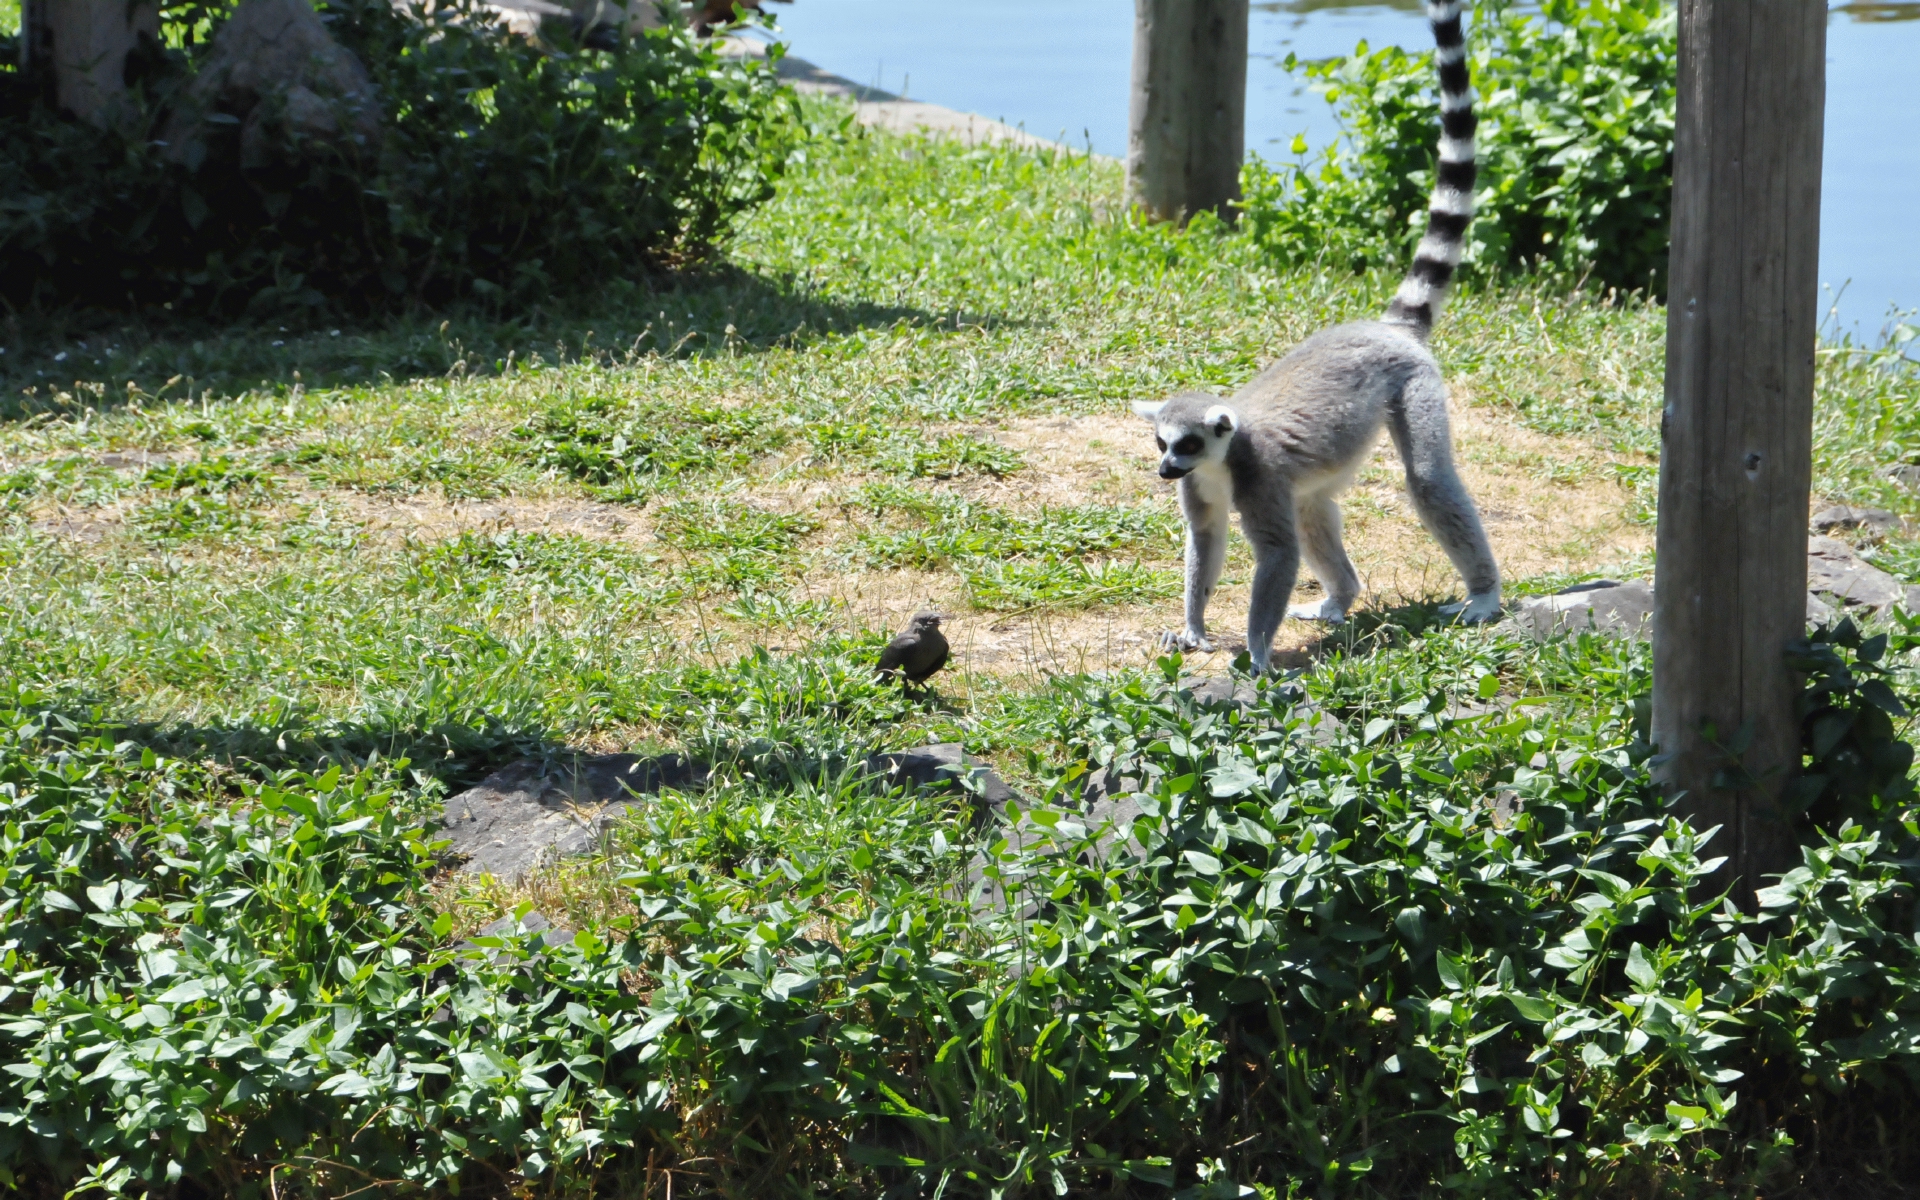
(1270, 527)
(1318, 515)
(1421, 433)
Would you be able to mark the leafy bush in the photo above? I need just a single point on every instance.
(504, 172)
(1449, 940)
(1576, 108)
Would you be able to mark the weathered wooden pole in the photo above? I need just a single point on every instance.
(76, 51)
(1186, 123)
(1737, 432)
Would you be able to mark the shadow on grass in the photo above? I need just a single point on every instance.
(1371, 631)
(456, 755)
(93, 357)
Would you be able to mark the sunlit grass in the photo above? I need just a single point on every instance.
(529, 523)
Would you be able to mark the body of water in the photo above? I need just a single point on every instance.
(1060, 69)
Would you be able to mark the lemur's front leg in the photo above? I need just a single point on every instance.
(1205, 503)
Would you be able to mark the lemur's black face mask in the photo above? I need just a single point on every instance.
(1188, 448)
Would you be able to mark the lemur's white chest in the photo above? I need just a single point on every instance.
(1212, 484)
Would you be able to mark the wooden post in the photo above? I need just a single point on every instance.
(1186, 123)
(1736, 456)
(77, 50)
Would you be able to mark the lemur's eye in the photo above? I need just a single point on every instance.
(1162, 443)
(1187, 445)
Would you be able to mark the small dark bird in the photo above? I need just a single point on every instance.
(918, 652)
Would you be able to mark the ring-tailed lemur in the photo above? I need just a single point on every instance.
(1288, 442)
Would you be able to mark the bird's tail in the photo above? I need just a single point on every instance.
(1451, 208)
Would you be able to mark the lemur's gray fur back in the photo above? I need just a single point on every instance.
(1451, 209)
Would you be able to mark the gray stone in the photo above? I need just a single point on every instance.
(276, 70)
(1628, 608)
(1833, 569)
(1319, 726)
(1504, 807)
(530, 812)
(1222, 689)
(1112, 818)
(507, 926)
(1470, 709)
(1101, 785)
(1622, 609)
(1872, 523)
(941, 765)
(1904, 474)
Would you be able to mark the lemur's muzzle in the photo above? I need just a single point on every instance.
(1169, 471)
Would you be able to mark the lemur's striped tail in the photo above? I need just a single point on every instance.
(1451, 208)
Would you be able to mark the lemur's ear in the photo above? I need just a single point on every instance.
(1221, 420)
(1150, 409)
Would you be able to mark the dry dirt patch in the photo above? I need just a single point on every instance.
(1551, 506)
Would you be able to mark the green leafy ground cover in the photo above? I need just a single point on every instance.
(1449, 950)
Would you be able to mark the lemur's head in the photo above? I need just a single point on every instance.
(1192, 429)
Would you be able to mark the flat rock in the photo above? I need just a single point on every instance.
(1222, 689)
(1874, 523)
(1243, 693)
(1622, 609)
(531, 812)
(1904, 474)
(1833, 569)
(1627, 608)
(941, 765)
(510, 926)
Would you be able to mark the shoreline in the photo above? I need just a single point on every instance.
(878, 109)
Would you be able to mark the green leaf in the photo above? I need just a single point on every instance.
(1203, 863)
(1233, 777)
(1533, 1008)
(184, 992)
(1877, 693)
(350, 1083)
(1640, 968)
(1412, 924)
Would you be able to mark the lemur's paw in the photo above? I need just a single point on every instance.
(1185, 639)
(1474, 610)
(1326, 611)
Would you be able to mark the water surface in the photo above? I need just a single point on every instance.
(1059, 68)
